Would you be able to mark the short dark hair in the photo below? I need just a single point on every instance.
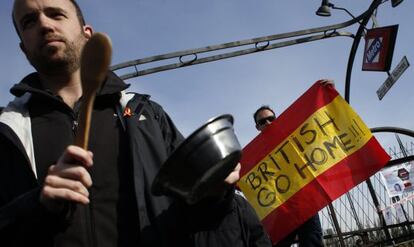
(79, 14)
(263, 107)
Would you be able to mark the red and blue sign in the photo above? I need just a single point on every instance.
(374, 50)
(379, 48)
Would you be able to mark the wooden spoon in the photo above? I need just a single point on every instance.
(95, 60)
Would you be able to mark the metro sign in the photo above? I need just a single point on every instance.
(374, 50)
(379, 48)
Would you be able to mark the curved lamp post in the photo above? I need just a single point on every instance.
(322, 11)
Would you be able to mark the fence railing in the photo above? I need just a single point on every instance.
(359, 222)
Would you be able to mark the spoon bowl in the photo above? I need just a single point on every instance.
(95, 61)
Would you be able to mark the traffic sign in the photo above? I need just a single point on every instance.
(396, 73)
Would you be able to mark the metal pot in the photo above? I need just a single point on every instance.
(201, 163)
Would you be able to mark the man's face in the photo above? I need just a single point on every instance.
(51, 34)
(263, 119)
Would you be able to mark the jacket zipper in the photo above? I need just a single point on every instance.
(89, 210)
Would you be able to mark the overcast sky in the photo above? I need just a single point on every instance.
(194, 94)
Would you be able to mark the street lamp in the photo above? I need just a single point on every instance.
(325, 8)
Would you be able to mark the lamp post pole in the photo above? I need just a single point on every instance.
(374, 5)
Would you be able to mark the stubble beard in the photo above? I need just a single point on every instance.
(66, 63)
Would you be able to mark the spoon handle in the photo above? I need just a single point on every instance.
(84, 123)
(95, 60)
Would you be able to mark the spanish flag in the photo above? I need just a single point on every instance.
(315, 151)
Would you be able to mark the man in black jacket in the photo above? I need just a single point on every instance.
(55, 194)
(310, 233)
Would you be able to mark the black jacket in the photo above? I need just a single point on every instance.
(162, 221)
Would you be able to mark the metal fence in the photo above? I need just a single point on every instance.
(359, 219)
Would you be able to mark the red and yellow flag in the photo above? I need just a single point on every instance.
(314, 152)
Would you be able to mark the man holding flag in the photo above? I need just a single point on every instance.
(310, 233)
(314, 152)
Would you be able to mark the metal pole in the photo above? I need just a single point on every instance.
(261, 44)
(336, 225)
(374, 5)
(380, 215)
(355, 45)
(364, 236)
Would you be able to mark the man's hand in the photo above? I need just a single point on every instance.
(68, 179)
(234, 176)
(220, 190)
(326, 82)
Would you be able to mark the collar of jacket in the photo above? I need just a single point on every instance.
(31, 84)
